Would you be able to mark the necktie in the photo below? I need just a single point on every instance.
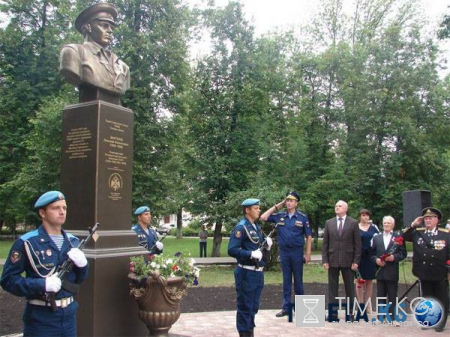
(340, 227)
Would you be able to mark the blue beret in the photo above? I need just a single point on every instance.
(250, 202)
(141, 210)
(48, 198)
(292, 195)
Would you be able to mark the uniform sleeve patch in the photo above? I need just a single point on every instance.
(15, 256)
(238, 234)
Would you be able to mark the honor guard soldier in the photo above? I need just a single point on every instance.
(431, 249)
(246, 246)
(31, 271)
(147, 235)
(293, 230)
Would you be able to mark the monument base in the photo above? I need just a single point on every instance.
(96, 178)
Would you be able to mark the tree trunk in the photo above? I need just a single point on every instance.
(180, 223)
(217, 240)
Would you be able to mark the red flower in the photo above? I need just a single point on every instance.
(174, 267)
(132, 265)
(448, 262)
(398, 240)
(384, 256)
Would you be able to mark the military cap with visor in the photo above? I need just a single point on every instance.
(431, 211)
(293, 195)
(101, 11)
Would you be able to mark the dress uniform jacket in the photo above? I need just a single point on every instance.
(92, 64)
(147, 241)
(37, 255)
(430, 253)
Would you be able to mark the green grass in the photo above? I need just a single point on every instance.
(216, 276)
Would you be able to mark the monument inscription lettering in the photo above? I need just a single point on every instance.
(78, 143)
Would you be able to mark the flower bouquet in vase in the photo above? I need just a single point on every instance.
(158, 284)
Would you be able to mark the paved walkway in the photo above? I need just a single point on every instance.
(223, 324)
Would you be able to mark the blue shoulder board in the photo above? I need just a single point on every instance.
(29, 235)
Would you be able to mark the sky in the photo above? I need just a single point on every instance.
(270, 14)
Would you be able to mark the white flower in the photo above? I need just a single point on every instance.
(191, 262)
(153, 265)
(169, 261)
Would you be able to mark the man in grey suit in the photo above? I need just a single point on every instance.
(387, 254)
(341, 251)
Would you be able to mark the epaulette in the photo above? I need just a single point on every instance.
(421, 229)
(28, 235)
(443, 230)
(301, 213)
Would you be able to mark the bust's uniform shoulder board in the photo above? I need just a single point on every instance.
(443, 230)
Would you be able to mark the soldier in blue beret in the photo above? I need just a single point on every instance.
(244, 245)
(147, 235)
(293, 229)
(431, 253)
(38, 254)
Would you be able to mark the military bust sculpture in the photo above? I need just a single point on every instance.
(97, 71)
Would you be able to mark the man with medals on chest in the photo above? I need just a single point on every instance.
(244, 245)
(38, 254)
(293, 231)
(147, 235)
(431, 253)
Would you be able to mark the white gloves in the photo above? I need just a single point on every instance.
(78, 257)
(269, 243)
(257, 254)
(159, 245)
(52, 284)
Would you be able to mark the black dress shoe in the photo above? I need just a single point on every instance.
(282, 313)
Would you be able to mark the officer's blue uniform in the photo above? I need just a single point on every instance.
(46, 257)
(249, 283)
(147, 241)
(291, 233)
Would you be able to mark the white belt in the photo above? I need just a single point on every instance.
(63, 302)
(251, 267)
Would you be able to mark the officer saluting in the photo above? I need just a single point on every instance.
(431, 248)
(39, 253)
(244, 244)
(147, 235)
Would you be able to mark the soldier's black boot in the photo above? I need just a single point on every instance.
(252, 334)
(245, 334)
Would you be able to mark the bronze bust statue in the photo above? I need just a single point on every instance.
(97, 71)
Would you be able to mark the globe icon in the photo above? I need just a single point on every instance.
(428, 312)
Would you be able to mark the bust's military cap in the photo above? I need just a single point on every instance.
(293, 195)
(48, 198)
(101, 11)
(250, 202)
(431, 211)
(141, 210)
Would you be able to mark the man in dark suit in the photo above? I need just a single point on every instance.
(341, 251)
(431, 251)
(387, 254)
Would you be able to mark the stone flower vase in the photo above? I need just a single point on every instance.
(159, 301)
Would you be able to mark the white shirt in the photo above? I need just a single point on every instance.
(387, 239)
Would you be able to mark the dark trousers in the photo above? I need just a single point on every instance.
(333, 284)
(39, 321)
(292, 267)
(437, 290)
(388, 289)
(203, 249)
(249, 285)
